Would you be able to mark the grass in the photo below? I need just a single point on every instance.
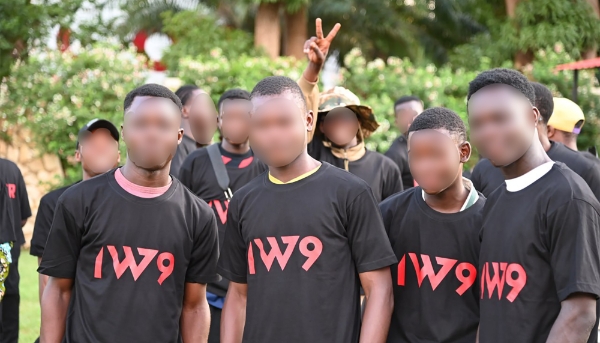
(30, 306)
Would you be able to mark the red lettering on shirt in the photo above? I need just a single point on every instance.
(12, 190)
(427, 271)
(221, 209)
(311, 247)
(512, 274)
(246, 162)
(129, 262)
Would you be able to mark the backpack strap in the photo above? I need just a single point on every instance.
(219, 168)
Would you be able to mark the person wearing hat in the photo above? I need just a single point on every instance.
(98, 152)
(343, 124)
(566, 122)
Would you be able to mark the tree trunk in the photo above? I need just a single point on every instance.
(295, 33)
(522, 58)
(511, 7)
(592, 52)
(267, 30)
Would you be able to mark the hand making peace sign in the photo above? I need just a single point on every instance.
(316, 48)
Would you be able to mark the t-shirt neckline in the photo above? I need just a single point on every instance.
(439, 216)
(112, 181)
(290, 186)
(524, 181)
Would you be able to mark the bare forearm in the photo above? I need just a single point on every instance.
(233, 318)
(377, 316)
(311, 73)
(43, 280)
(195, 323)
(55, 303)
(570, 328)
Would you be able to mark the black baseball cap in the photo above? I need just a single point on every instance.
(97, 124)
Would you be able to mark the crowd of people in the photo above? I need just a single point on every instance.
(288, 229)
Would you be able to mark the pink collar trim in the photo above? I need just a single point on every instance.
(137, 190)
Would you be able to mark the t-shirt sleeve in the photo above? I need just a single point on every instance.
(592, 178)
(369, 242)
(63, 245)
(574, 245)
(233, 264)
(393, 182)
(311, 94)
(205, 252)
(41, 229)
(23, 198)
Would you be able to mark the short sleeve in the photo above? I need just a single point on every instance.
(369, 242)
(392, 183)
(233, 264)
(205, 252)
(41, 229)
(63, 245)
(592, 178)
(574, 245)
(23, 198)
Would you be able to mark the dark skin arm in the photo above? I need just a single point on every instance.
(316, 49)
(575, 321)
(195, 315)
(23, 222)
(234, 313)
(380, 304)
(43, 281)
(55, 303)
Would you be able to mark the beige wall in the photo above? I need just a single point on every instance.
(39, 171)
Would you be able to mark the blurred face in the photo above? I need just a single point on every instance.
(278, 127)
(235, 120)
(98, 152)
(406, 113)
(340, 126)
(435, 159)
(502, 123)
(187, 107)
(151, 131)
(203, 118)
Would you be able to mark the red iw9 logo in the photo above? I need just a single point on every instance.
(165, 262)
(310, 246)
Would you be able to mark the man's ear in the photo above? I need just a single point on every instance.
(179, 136)
(310, 121)
(78, 155)
(537, 116)
(185, 112)
(551, 132)
(465, 152)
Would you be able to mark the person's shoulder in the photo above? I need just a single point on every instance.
(77, 194)
(337, 177)
(573, 159)
(199, 156)
(399, 200)
(53, 196)
(380, 158)
(256, 184)
(9, 166)
(483, 164)
(567, 185)
(189, 198)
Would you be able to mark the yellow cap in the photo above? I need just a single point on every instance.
(567, 116)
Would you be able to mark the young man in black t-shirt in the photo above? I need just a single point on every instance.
(98, 152)
(130, 252)
(301, 239)
(199, 123)
(434, 231)
(11, 176)
(198, 174)
(539, 262)
(406, 109)
(343, 124)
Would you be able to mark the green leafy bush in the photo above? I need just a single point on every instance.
(55, 94)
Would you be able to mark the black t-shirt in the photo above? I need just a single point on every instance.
(198, 175)
(13, 179)
(576, 161)
(43, 221)
(7, 231)
(539, 245)
(486, 178)
(378, 171)
(300, 247)
(435, 288)
(130, 258)
(186, 147)
(398, 152)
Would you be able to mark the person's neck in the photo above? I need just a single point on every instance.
(545, 142)
(449, 200)
(352, 144)
(533, 158)
(301, 165)
(146, 178)
(87, 176)
(572, 145)
(238, 149)
(187, 130)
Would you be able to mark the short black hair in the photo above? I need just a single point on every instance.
(153, 90)
(407, 98)
(233, 94)
(503, 76)
(543, 101)
(184, 93)
(275, 85)
(440, 118)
